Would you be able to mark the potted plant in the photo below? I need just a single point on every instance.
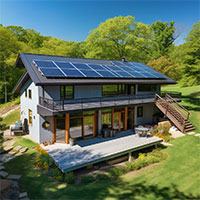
(71, 141)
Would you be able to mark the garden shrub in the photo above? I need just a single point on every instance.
(57, 174)
(87, 179)
(117, 171)
(70, 178)
(102, 177)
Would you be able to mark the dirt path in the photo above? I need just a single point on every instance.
(13, 108)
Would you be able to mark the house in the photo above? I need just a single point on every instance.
(66, 98)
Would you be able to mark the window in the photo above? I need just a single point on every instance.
(66, 92)
(146, 88)
(114, 90)
(140, 111)
(25, 92)
(30, 94)
(30, 118)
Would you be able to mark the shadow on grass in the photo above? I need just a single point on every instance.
(194, 101)
(40, 186)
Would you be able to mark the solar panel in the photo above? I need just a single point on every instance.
(90, 73)
(45, 64)
(51, 72)
(97, 67)
(116, 69)
(72, 73)
(81, 66)
(64, 65)
(107, 74)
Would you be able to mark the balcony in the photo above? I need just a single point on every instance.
(48, 106)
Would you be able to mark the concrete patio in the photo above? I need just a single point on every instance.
(91, 151)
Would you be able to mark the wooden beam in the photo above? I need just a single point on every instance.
(125, 117)
(67, 128)
(54, 129)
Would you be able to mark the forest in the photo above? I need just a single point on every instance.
(116, 37)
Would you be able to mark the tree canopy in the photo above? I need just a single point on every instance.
(113, 39)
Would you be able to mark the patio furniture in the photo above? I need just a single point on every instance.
(19, 128)
(16, 128)
(141, 131)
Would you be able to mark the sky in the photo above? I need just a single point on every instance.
(73, 20)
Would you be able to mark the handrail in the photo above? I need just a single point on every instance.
(168, 96)
(59, 104)
(171, 110)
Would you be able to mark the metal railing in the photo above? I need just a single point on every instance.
(59, 105)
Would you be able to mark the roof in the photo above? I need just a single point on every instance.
(26, 60)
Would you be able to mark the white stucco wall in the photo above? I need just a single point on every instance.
(31, 104)
(148, 111)
(85, 91)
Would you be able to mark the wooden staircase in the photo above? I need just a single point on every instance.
(175, 112)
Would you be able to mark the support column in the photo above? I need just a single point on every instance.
(135, 119)
(125, 117)
(136, 89)
(130, 157)
(67, 128)
(99, 122)
(54, 129)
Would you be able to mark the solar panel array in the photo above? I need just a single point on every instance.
(115, 70)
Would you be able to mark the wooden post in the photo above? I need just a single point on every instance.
(54, 129)
(112, 120)
(125, 118)
(67, 128)
(120, 118)
(130, 157)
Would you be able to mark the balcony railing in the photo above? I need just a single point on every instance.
(97, 102)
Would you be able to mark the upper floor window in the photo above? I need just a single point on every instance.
(118, 90)
(25, 92)
(66, 92)
(29, 94)
(146, 88)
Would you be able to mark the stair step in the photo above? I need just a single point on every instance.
(188, 126)
(189, 129)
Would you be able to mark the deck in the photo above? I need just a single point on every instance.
(91, 151)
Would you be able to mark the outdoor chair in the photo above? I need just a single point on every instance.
(17, 127)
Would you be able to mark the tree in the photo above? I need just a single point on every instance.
(166, 66)
(55, 46)
(28, 36)
(9, 45)
(110, 39)
(191, 63)
(163, 38)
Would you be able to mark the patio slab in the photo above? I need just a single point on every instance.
(91, 151)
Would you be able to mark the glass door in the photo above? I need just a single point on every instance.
(60, 129)
(117, 121)
(88, 126)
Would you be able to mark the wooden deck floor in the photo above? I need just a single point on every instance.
(95, 150)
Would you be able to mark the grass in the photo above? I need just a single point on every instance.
(190, 100)
(175, 178)
(11, 118)
(6, 106)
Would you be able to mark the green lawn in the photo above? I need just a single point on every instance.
(190, 100)
(12, 118)
(177, 177)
